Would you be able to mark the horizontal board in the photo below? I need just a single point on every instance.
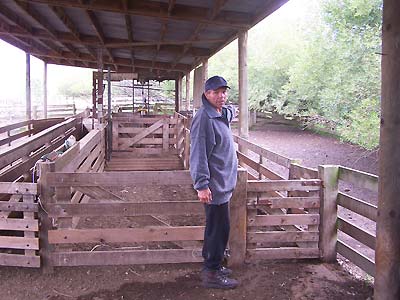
(357, 232)
(19, 224)
(283, 220)
(143, 178)
(125, 209)
(357, 258)
(282, 236)
(126, 235)
(135, 130)
(131, 152)
(298, 171)
(358, 206)
(22, 188)
(124, 142)
(359, 178)
(14, 242)
(18, 206)
(96, 258)
(17, 260)
(283, 253)
(290, 202)
(258, 167)
(272, 156)
(283, 185)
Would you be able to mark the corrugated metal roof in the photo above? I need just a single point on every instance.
(161, 39)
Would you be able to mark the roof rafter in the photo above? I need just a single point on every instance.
(159, 10)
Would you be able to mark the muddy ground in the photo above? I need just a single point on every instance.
(266, 280)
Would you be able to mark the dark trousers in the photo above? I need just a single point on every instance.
(216, 235)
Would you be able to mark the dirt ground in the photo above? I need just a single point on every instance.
(266, 280)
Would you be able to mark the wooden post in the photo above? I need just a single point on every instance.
(94, 106)
(45, 90)
(100, 86)
(148, 97)
(177, 94)
(109, 124)
(198, 87)
(238, 211)
(387, 252)
(34, 112)
(204, 71)
(187, 91)
(133, 95)
(243, 95)
(28, 87)
(45, 196)
(328, 212)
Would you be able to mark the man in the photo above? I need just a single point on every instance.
(213, 167)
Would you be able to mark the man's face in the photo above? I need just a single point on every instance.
(217, 98)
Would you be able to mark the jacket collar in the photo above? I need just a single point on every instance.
(210, 110)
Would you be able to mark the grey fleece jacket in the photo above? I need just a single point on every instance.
(213, 162)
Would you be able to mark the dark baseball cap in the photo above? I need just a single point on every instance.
(214, 83)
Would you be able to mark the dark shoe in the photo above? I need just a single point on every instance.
(215, 280)
(225, 271)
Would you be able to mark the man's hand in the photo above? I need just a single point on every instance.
(204, 196)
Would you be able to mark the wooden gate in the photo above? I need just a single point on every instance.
(19, 225)
(121, 223)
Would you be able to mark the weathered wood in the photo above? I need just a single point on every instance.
(290, 202)
(136, 130)
(243, 88)
(98, 193)
(145, 141)
(356, 258)
(282, 253)
(96, 258)
(62, 162)
(283, 185)
(21, 188)
(115, 133)
(357, 232)
(145, 178)
(359, 178)
(328, 211)
(31, 241)
(282, 236)
(141, 135)
(165, 138)
(272, 156)
(302, 172)
(277, 220)
(18, 260)
(19, 224)
(13, 242)
(186, 153)
(358, 206)
(258, 167)
(127, 235)
(238, 220)
(125, 209)
(9, 206)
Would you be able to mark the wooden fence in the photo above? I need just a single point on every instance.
(19, 225)
(332, 175)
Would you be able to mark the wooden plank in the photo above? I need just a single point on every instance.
(115, 134)
(144, 178)
(7, 206)
(277, 220)
(127, 235)
(13, 242)
(144, 151)
(141, 135)
(359, 178)
(290, 202)
(282, 236)
(282, 253)
(17, 260)
(15, 126)
(136, 130)
(186, 153)
(13, 137)
(258, 167)
(165, 137)
(358, 233)
(98, 193)
(357, 258)
(238, 220)
(125, 209)
(66, 158)
(283, 185)
(22, 188)
(97, 258)
(144, 141)
(298, 171)
(272, 156)
(358, 206)
(29, 199)
(19, 224)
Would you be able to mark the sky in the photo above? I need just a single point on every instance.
(13, 62)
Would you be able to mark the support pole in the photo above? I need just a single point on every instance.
(243, 95)
(133, 95)
(205, 71)
(387, 252)
(177, 100)
(100, 86)
(109, 124)
(198, 87)
(187, 91)
(28, 88)
(148, 97)
(45, 90)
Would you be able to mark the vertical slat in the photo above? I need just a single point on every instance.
(187, 150)
(29, 216)
(115, 132)
(63, 195)
(166, 134)
(238, 209)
